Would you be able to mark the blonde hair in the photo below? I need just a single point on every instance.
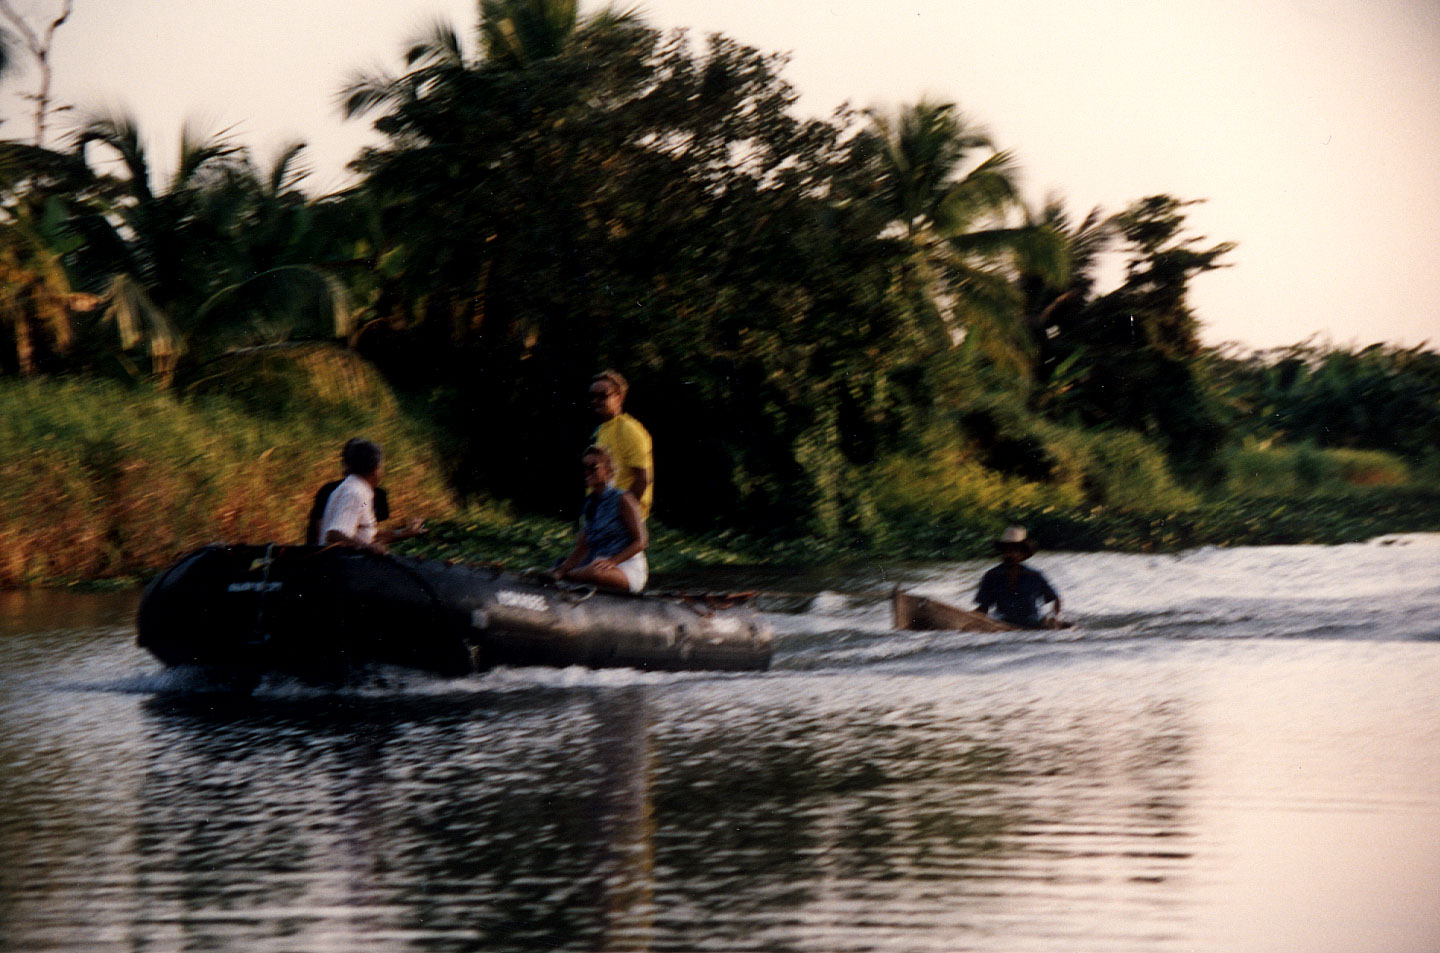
(614, 379)
(602, 453)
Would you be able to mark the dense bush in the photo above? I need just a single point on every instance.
(101, 480)
(1297, 471)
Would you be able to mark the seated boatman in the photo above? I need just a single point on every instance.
(322, 497)
(1016, 591)
(349, 518)
(611, 549)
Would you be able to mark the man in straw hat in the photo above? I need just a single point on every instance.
(1014, 590)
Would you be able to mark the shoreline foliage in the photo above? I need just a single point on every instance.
(101, 479)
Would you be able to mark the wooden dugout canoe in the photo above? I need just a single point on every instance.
(921, 613)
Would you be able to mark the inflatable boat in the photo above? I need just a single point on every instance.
(320, 612)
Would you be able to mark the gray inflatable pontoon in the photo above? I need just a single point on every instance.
(317, 612)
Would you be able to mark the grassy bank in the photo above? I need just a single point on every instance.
(101, 481)
(1364, 513)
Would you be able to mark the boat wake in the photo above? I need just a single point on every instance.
(1210, 594)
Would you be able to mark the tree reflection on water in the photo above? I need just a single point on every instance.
(642, 817)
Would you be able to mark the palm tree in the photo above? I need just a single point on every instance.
(1054, 301)
(469, 138)
(219, 253)
(514, 35)
(274, 283)
(145, 242)
(954, 213)
(38, 297)
(431, 57)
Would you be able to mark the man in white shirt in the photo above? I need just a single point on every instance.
(349, 518)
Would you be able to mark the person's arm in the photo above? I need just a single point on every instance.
(639, 480)
(985, 597)
(338, 537)
(577, 556)
(632, 452)
(1049, 594)
(639, 535)
(410, 530)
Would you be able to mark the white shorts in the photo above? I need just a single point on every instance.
(636, 570)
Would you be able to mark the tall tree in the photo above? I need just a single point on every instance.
(219, 252)
(954, 196)
(1053, 302)
(1136, 349)
(632, 201)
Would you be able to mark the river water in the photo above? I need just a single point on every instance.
(1234, 750)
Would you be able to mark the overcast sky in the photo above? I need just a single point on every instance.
(1310, 126)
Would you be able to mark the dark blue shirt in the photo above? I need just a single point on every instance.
(605, 531)
(1018, 604)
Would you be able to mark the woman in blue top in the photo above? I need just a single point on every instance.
(611, 549)
(1016, 591)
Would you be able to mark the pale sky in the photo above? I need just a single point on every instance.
(1309, 126)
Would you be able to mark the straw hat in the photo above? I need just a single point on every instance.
(1015, 537)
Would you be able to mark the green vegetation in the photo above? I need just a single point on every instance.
(848, 336)
(100, 479)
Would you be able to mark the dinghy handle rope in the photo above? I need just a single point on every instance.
(578, 595)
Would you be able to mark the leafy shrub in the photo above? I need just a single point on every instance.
(1127, 472)
(98, 479)
(281, 380)
(1254, 470)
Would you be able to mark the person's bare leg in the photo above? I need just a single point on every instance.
(609, 578)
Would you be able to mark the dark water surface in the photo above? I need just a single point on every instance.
(1236, 750)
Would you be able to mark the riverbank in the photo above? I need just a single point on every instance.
(1361, 514)
(102, 485)
(484, 536)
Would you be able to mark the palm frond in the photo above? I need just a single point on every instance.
(437, 46)
(613, 18)
(7, 42)
(121, 133)
(289, 293)
(138, 319)
(369, 90)
(1039, 250)
(989, 310)
(986, 190)
(286, 169)
(199, 150)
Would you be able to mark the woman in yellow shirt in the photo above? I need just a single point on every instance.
(626, 440)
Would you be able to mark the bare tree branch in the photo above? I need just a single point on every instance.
(39, 43)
